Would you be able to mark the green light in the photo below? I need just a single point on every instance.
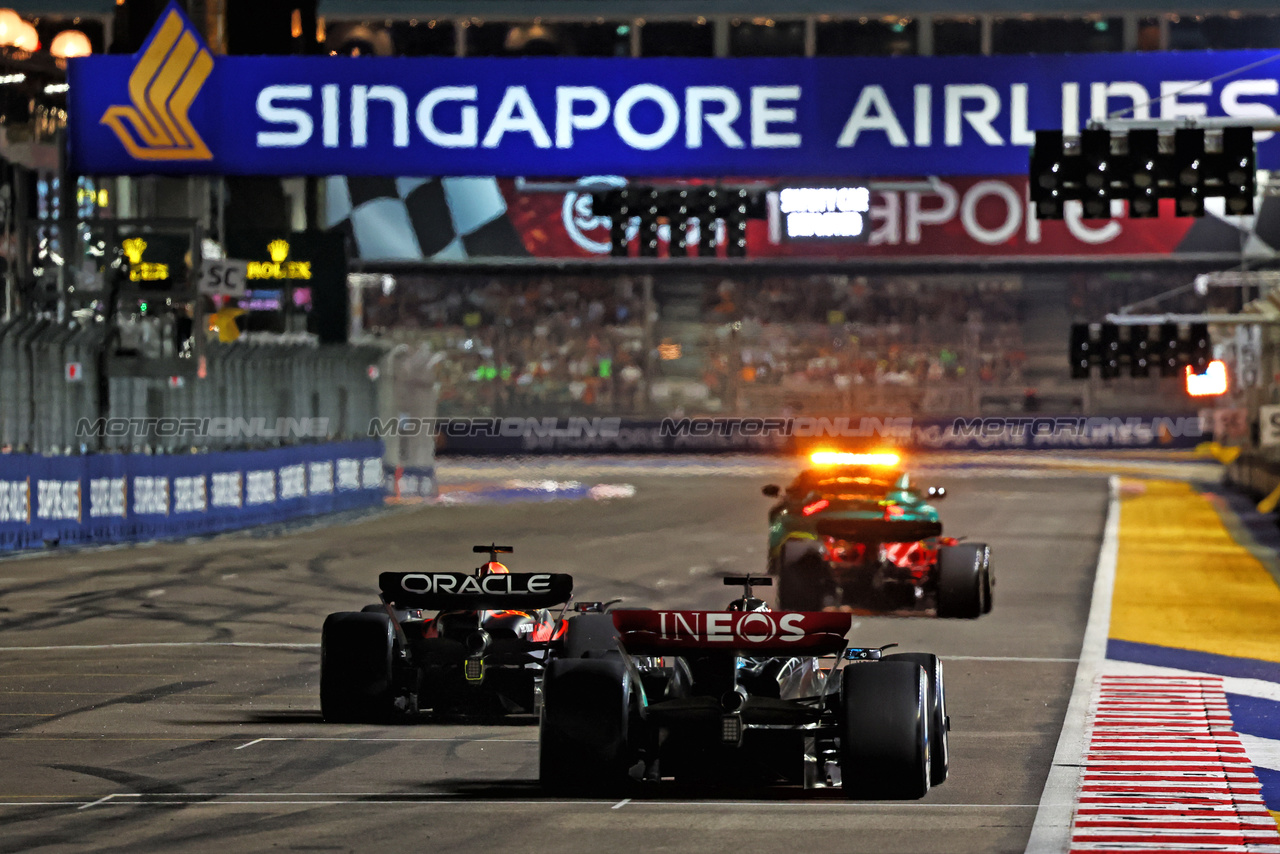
(143, 308)
(1101, 26)
(624, 30)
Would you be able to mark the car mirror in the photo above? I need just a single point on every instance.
(595, 607)
(772, 490)
(937, 493)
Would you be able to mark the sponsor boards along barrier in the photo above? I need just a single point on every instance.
(112, 498)
(485, 436)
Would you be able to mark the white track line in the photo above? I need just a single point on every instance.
(150, 645)
(441, 799)
(493, 740)
(1051, 832)
(1010, 658)
(106, 798)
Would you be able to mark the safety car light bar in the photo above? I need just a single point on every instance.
(840, 458)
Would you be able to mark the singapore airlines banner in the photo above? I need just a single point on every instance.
(175, 109)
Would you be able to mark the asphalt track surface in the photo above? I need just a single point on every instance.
(165, 698)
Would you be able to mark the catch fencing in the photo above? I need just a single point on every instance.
(249, 394)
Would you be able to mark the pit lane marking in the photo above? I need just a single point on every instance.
(620, 804)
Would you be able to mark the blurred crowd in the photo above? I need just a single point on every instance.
(845, 332)
(544, 345)
(529, 345)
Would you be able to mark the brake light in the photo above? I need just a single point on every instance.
(820, 504)
(893, 512)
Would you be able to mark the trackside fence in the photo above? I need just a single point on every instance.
(1254, 473)
(251, 394)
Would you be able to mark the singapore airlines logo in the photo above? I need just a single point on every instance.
(163, 84)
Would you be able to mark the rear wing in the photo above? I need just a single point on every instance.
(455, 591)
(878, 530)
(750, 632)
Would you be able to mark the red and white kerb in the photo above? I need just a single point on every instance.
(1164, 772)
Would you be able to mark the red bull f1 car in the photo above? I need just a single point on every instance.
(853, 531)
(482, 652)
(744, 695)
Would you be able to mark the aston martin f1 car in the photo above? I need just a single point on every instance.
(852, 531)
(745, 695)
(482, 653)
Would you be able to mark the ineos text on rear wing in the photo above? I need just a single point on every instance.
(751, 632)
(444, 591)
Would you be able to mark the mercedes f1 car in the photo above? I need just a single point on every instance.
(852, 531)
(483, 652)
(745, 695)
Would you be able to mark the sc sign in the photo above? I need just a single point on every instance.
(223, 277)
(1269, 426)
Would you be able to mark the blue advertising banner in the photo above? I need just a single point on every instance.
(174, 109)
(111, 498)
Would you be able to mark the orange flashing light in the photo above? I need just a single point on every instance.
(840, 458)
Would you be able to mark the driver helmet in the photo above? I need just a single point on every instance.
(494, 568)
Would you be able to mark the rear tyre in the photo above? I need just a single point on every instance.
(960, 580)
(988, 582)
(936, 702)
(583, 735)
(355, 668)
(884, 737)
(802, 576)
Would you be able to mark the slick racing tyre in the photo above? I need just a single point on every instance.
(583, 735)
(802, 576)
(939, 726)
(988, 582)
(963, 578)
(355, 668)
(884, 731)
(589, 636)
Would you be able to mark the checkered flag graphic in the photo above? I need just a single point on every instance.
(1256, 236)
(419, 219)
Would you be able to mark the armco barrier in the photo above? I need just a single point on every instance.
(488, 436)
(113, 498)
(1254, 474)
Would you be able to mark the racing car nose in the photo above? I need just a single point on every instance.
(476, 643)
